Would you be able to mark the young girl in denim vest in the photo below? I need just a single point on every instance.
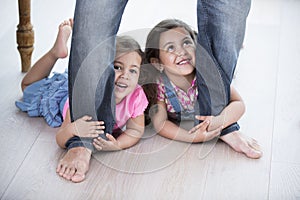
(170, 57)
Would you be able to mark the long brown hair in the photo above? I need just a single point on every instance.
(149, 73)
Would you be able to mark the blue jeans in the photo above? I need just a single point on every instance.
(221, 28)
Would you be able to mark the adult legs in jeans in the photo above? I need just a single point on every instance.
(91, 75)
(221, 30)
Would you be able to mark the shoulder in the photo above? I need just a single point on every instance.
(138, 94)
(136, 102)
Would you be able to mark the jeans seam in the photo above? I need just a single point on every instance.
(219, 68)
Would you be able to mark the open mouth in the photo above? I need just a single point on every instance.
(121, 85)
(184, 62)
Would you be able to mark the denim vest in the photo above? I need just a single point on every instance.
(180, 114)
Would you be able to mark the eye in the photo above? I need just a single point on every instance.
(170, 48)
(187, 42)
(133, 71)
(117, 68)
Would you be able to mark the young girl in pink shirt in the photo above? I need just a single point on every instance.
(48, 97)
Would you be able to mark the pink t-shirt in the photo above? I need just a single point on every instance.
(132, 106)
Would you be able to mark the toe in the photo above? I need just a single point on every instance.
(66, 175)
(62, 170)
(255, 145)
(72, 172)
(253, 153)
(81, 170)
(78, 177)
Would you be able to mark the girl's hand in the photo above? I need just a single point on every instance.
(206, 121)
(214, 121)
(103, 145)
(85, 128)
(201, 134)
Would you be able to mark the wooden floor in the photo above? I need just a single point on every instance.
(267, 76)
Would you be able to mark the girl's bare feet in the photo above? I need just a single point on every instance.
(75, 164)
(60, 49)
(242, 144)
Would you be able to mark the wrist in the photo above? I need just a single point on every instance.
(118, 145)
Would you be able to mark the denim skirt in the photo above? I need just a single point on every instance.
(46, 98)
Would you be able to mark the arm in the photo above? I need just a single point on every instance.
(230, 114)
(82, 127)
(134, 130)
(170, 130)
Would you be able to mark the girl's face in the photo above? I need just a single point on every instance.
(177, 52)
(127, 71)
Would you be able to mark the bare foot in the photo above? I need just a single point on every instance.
(60, 49)
(242, 144)
(75, 164)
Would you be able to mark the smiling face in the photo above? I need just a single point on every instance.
(177, 52)
(127, 70)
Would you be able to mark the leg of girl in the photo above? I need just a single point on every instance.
(42, 68)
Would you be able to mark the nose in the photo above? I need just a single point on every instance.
(124, 74)
(181, 51)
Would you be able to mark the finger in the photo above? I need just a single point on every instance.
(200, 117)
(212, 134)
(95, 132)
(203, 126)
(92, 135)
(99, 127)
(194, 129)
(203, 118)
(110, 137)
(97, 142)
(102, 142)
(95, 123)
(98, 147)
(86, 118)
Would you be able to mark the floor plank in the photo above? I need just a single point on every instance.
(287, 116)
(285, 181)
(285, 176)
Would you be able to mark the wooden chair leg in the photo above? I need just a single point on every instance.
(25, 34)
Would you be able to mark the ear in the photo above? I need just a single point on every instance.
(155, 62)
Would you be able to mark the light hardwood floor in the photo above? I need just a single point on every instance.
(267, 77)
